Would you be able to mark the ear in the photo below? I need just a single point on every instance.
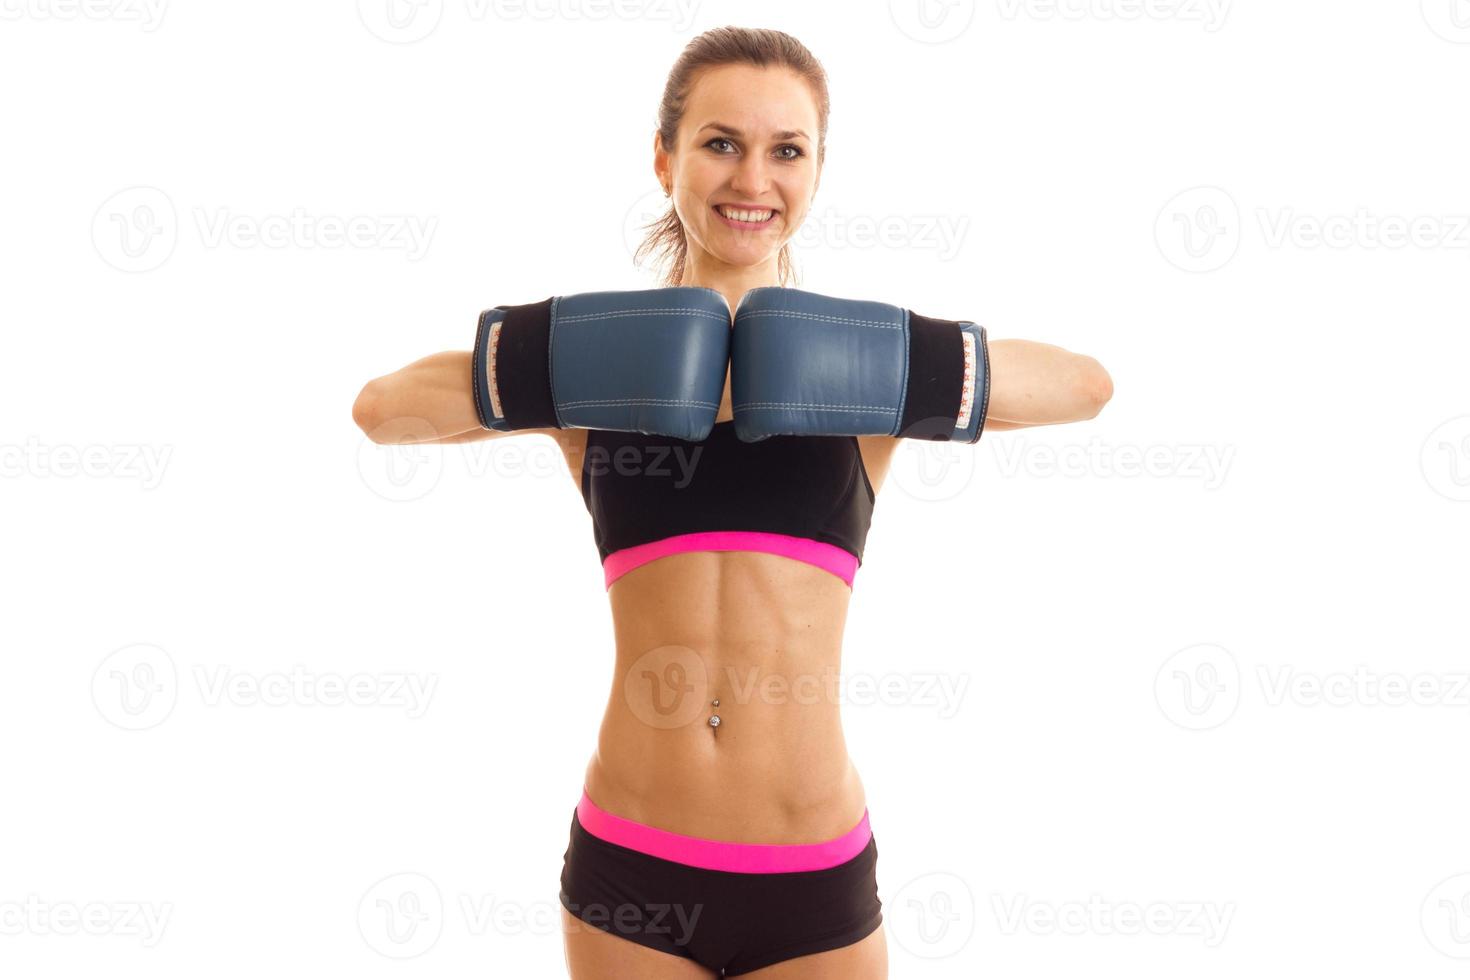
(661, 169)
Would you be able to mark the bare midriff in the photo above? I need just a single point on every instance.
(762, 635)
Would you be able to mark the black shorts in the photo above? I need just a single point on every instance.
(725, 920)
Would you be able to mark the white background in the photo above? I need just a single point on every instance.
(1176, 684)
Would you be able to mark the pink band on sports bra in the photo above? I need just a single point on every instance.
(722, 855)
(839, 562)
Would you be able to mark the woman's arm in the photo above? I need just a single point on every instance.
(435, 390)
(1033, 383)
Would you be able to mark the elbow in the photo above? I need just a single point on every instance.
(367, 410)
(1094, 387)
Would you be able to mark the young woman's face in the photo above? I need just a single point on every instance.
(748, 143)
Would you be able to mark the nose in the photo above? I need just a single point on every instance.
(752, 178)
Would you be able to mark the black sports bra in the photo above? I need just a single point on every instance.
(803, 497)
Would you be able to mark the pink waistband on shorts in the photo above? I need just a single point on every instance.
(722, 855)
(838, 561)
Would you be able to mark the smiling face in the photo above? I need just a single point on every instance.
(745, 167)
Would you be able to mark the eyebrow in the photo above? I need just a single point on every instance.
(732, 131)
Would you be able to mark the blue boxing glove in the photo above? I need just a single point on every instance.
(650, 361)
(805, 364)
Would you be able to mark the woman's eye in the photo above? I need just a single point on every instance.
(718, 139)
(796, 153)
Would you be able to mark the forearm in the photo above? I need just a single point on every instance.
(429, 400)
(1032, 383)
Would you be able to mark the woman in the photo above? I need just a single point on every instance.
(722, 829)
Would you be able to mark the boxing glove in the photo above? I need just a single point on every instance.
(806, 364)
(650, 361)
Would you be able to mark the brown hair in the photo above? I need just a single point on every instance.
(725, 46)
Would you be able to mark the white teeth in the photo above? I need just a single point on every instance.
(745, 215)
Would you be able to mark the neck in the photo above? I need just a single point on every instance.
(731, 281)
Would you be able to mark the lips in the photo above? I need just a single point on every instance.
(745, 217)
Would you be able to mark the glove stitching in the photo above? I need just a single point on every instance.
(820, 318)
(638, 401)
(828, 406)
(648, 312)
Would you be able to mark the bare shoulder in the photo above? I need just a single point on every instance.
(573, 446)
(877, 453)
